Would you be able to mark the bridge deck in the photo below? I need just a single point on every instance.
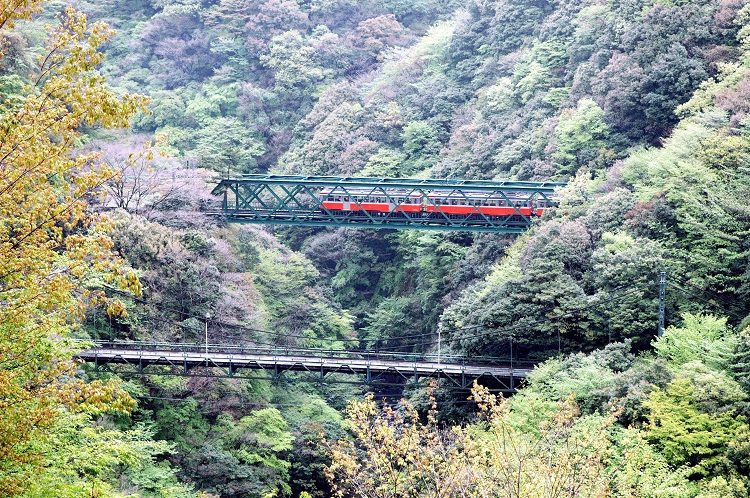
(369, 367)
(297, 200)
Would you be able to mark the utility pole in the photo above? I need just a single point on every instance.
(440, 329)
(511, 354)
(662, 300)
(207, 317)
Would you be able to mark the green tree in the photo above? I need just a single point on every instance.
(259, 440)
(578, 137)
(420, 138)
(686, 435)
(386, 163)
(701, 337)
(227, 146)
(422, 145)
(292, 61)
(50, 245)
(88, 460)
(624, 270)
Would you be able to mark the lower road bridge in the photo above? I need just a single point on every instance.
(237, 361)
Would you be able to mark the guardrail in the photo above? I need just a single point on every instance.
(229, 360)
(476, 361)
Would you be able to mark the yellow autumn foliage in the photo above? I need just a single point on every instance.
(393, 454)
(49, 243)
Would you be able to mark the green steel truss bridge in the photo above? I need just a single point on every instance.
(317, 365)
(301, 201)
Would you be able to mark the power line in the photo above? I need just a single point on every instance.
(263, 331)
(706, 301)
(521, 325)
(265, 404)
(685, 282)
(524, 325)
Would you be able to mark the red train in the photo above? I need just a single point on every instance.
(436, 203)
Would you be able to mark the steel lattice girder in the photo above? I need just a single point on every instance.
(144, 358)
(295, 200)
(208, 369)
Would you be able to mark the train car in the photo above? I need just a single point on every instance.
(542, 203)
(477, 203)
(380, 201)
(436, 204)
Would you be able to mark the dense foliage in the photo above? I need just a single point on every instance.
(51, 249)
(607, 423)
(640, 105)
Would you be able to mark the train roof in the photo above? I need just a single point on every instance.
(454, 193)
(369, 191)
(461, 194)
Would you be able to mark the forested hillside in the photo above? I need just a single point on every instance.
(111, 144)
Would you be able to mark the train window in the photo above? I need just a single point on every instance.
(346, 199)
(329, 198)
(542, 204)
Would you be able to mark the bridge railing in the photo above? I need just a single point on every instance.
(300, 200)
(235, 349)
